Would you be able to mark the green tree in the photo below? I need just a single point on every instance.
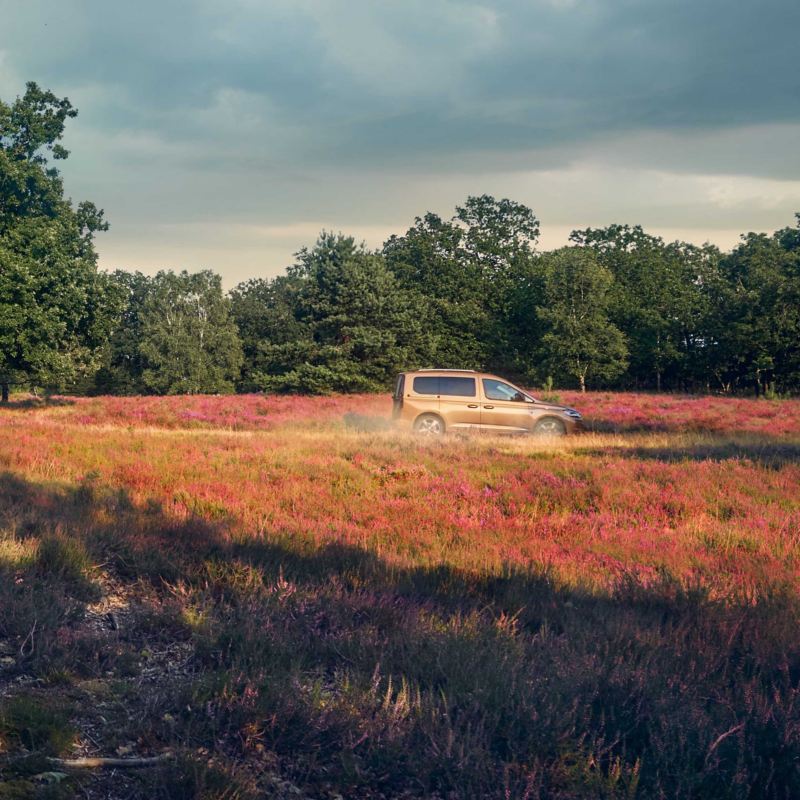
(524, 327)
(429, 261)
(500, 241)
(56, 309)
(789, 238)
(655, 298)
(468, 270)
(357, 325)
(580, 340)
(121, 372)
(700, 267)
(754, 326)
(274, 340)
(189, 342)
(498, 232)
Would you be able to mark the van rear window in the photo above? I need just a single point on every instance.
(445, 385)
(426, 385)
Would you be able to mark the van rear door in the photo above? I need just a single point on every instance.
(421, 396)
(397, 397)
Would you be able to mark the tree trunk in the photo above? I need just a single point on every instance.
(583, 383)
(658, 380)
(4, 386)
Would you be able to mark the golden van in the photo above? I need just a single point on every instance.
(434, 401)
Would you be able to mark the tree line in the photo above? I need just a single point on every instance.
(617, 308)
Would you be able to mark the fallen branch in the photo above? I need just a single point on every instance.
(29, 638)
(97, 762)
(721, 738)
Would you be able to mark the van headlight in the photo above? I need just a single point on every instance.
(571, 412)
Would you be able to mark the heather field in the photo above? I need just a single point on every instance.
(284, 597)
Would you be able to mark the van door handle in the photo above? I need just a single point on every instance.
(488, 406)
(472, 405)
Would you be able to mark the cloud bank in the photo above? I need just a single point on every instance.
(225, 134)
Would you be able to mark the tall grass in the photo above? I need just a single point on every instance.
(313, 610)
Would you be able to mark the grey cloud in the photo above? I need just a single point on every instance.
(343, 110)
(370, 81)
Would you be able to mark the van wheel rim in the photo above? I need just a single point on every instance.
(430, 427)
(550, 427)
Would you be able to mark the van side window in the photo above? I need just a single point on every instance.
(497, 390)
(458, 387)
(426, 385)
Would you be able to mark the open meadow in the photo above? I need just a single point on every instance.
(287, 598)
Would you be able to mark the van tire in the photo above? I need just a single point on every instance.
(549, 426)
(429, 425)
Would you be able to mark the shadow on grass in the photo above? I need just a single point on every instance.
(602, 426)
(31, 402)
(348, 675)
(770, 453)
(606, 426)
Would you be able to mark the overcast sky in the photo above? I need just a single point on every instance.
(227, 134)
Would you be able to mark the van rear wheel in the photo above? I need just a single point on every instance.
(429, 425)
(549, 426)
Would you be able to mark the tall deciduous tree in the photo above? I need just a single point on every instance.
(123, 366)
(56, 310)
(500, 241)
(498, 232)
(430, 261)
(468, 270)
(754, 325)
(654, 299)
(580, 340)
(189, 342)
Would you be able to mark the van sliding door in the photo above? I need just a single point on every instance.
(458, 402)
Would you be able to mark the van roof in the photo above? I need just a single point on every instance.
(431, 369)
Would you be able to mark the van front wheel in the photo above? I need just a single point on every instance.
(429, 425)
(549, 426)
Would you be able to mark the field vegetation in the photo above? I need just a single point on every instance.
(287, 598)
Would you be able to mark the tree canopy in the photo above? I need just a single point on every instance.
(339, 321)
(621, 307)
(176, 335)
(580, 341)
